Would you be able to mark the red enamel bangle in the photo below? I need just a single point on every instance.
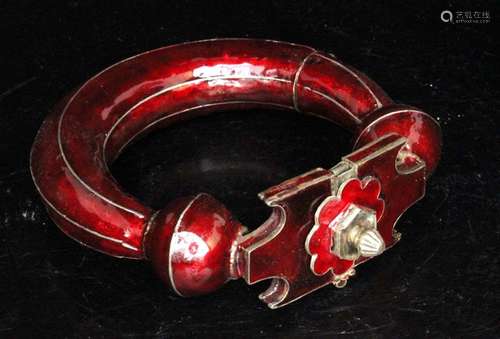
(323, 223)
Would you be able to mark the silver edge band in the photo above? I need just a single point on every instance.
(296, 79)
(146, 232)
(399, 111)
(379, 104)
(176, 229)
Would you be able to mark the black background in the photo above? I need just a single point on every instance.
(442, 280)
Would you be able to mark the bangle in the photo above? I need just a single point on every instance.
(324, 222)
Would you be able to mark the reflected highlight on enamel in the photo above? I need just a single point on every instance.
(315, 236)
(188, 247)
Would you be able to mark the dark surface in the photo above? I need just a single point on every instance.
(442, 280)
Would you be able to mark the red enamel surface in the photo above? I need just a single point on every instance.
(191, 244)
(365, 194)
(90, 127)
(421, 130)
(278, 249)
(399, 191)
(158, 236)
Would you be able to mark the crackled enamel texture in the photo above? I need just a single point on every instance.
(90, 128)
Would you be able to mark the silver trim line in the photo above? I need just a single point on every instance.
(73, 222)
(113, 127)
(170, 115)
(296, 79)
(391, 114)
(176, 229)
(379, 104)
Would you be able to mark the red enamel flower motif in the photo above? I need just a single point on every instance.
(320, 241)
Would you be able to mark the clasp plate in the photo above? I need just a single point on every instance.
(326, 222)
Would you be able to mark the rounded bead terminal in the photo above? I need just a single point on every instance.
(191, 244)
